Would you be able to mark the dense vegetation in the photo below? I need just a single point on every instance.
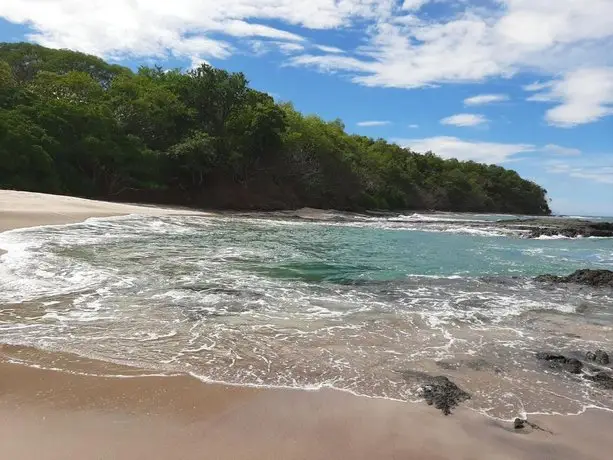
(73, 124)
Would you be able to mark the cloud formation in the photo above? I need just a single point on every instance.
(366, 124)
(452, 147)
(483, 99)
(464, 120)
(601, 173)
(583, 96)
(403, 44)
(562, 151)
(195, 29)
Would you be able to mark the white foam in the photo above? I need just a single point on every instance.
(434, 218)
(553, 237)
(170, 296)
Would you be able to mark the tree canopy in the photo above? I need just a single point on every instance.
(73, 124)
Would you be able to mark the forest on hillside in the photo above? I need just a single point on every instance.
(73, 124)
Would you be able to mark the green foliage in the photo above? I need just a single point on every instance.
(25, 162)
(71, 123)
(192, 160)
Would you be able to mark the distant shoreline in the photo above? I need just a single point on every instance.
(26, 209)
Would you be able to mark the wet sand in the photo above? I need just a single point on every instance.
(58, 415)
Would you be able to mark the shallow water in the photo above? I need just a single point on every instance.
(350, 302)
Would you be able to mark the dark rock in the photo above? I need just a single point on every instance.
(549, 279)
(594, 278)
(519, 423)
(570, 228)
(599, 357)
(556, 361)
(443, 394)
(602, 379)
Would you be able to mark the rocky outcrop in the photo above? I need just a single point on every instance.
(443, 394)
(519, 423)
(599, 357)
(594, 278)
(603, 380)
(555, 361)
(569, 228)
(438, 391)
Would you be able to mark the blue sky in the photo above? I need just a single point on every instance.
(527, 84)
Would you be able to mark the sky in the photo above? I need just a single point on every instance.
(526, 84)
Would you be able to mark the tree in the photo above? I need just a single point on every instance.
(74, 124)
(145, 108)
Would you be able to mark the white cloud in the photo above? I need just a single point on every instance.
(583, 95)
(452, 147)
(483, 99)
(594, 172)
(413, 5)
(404, 46)
(562, 151)
(329, 49)
(197, 62)
(195, 48)
(537, 86)
(288, 47)
(185, 28)
(484, 40)
(373, 123)
(262, 47)
(413, 126)
(464, 119)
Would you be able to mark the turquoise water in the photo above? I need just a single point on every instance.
(342, 301)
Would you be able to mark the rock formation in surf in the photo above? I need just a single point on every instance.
(594, 278)
(555, 361)
(443, 393)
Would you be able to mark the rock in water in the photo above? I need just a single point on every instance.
(519, 423)
(549, 279)
(443, 394)
(570, 228)
(594, 278)
(602, 379)
(555, 361)
(600, 357)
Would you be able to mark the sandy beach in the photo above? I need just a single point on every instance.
(25, 209)
(52, 414)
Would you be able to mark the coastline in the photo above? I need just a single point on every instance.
(83, 416)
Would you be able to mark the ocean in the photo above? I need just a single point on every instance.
(364, 304)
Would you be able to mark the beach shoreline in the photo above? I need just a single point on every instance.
(85, 415)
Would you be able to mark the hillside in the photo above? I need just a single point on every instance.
(73, 124)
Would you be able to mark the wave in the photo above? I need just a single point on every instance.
(556, 237)
(434, 218)
(263, 301)
(565, 237)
